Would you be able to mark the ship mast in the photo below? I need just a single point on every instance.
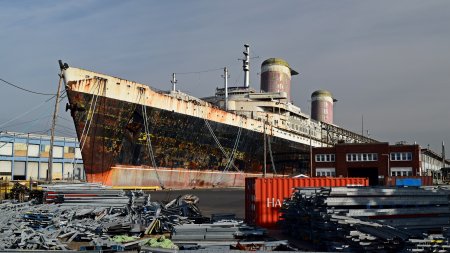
(225, 80)
(174, 81)
(246, 65)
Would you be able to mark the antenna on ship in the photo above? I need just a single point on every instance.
(174, 81)
(225, 80)
(246, 65)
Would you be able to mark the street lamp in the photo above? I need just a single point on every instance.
(310, 147)
(310, 152)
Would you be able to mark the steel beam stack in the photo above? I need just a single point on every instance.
(231, 231)
(432, 243)
(367, 219)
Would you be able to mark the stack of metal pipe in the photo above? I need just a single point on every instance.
(85, 194)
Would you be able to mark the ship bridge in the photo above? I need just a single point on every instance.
(274, 109)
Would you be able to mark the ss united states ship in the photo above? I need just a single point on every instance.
(132, 134)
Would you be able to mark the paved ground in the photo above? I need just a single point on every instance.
(229, 200)
(215, 200)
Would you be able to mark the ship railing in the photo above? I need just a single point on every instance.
(334, 131)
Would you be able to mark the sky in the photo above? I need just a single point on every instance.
(386, 61)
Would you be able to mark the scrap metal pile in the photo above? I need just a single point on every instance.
(106, 219)
(92, 213)
(365, 219)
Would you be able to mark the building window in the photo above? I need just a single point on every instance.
(401, 171)
(33, 151)
(401, 156)
(20, 149)
(325, 172)
(19, 170)
(43, 167)
(33, 170)
(78, 153)
(6, 148)
(359, 157)
(5, 169)
(45, 148)
(325, 157)
(69, 150)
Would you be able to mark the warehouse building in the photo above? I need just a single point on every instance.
(432, 164)
(25, 156)
(375, 161)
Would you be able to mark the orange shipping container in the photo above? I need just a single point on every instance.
(264, 196)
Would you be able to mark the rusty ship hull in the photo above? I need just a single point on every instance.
(192, 142)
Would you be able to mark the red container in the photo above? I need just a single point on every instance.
(264, 196)
(426, 180)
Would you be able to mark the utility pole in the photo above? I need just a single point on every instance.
(310, 152)
(52, 133)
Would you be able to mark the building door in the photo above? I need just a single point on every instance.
(371, 173)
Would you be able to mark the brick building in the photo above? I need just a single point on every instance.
(375, 161)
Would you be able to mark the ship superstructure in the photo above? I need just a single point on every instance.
(132, 134)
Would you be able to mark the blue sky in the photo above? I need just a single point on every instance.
(387, 60)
